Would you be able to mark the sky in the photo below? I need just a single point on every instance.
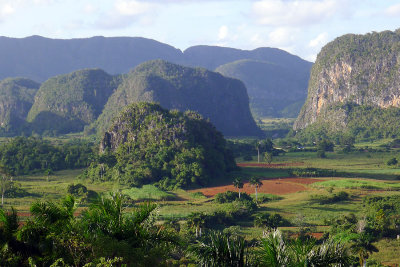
(300, 27)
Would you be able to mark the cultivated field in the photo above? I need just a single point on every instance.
(364, 174)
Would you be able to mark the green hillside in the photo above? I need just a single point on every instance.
(148, 144)
(16, 99)
(66, 103)
(274, 90)
(223, 101)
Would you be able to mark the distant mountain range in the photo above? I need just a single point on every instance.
(40, 58)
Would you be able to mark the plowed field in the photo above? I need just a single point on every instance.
(272, 186)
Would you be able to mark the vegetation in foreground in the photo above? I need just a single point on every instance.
(360, 214)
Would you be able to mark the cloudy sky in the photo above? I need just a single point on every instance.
(300, 27)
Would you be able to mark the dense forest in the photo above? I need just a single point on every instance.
(148, 144)
(23, 155)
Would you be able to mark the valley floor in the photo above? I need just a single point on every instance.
(361, 174)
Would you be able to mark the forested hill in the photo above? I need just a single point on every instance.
(146, 143)
(66, 103)
(355, 88)
(16, 99)
(275, 90)
(222, 100)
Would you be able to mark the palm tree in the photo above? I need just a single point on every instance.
(276, 251)
(256, 183)
(6, 181)
(362, 246)
(196, 220)
(238, 184)
(273, 251)
(221, 250)
(257, 146)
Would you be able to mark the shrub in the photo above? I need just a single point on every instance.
(334, 198)
(321, 154)
(77, 190)
(230, 196)
(312, 172)
(270, 220)
(264, 198)
(392, 161)
(197, 195)
(16, 191)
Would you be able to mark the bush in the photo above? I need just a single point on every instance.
(230, 196)
(16, 191)
(77, 190)
(392, 161)
(312, 172)
(264, 198)
(81, 191)
(321, 154)
(270, 220)
(330, 199)
(197, 195)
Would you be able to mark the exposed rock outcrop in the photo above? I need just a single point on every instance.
(353, 70)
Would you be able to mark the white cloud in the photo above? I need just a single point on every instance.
(393, 10)
(132, 7)
(282, 37)
(127, 12)
(223, 33)
(319, 41)
(6, 9)
(278, 38)
(90, 9)
(296, 13)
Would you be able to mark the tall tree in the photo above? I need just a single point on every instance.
(196, 220)
(6, 181)
(238, 184)
(256, 183)
(268, 157)
(362, 246)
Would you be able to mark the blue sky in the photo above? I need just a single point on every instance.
(300, 27)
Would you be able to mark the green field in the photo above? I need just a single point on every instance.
(371, 177)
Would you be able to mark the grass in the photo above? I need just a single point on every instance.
(148, 192)
(359, 184)
(388, 251)
(295, 207)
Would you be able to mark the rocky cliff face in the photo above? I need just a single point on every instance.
(357, 69)
(222, 100)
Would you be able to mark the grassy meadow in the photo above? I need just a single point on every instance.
(370, 176)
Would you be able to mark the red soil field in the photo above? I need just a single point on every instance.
(272, 186)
